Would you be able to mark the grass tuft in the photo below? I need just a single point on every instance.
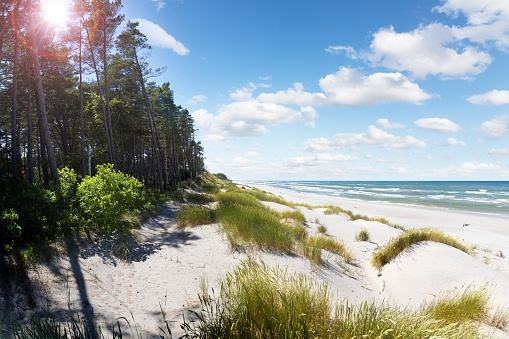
(194, 216)
(257, 301)
(322, 229)
(363, 235)
(396, 245)
(198, 198)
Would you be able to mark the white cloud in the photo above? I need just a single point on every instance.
(496, 128)
(157, 36)
(266, 78)
(159, 4)
(454, 142)
(350, 87)
(499, 151)
(399, 169)
(197, 98)
(470, 166)
(244, 93)
(318, 145)
(347, 87)
(438, 125)
(348, 50)
(494, 97)
(249, 118)
(377, 137)
(336, 157)
(252, 154)
(386, 124)
(295, 95)
(487, 20)
(427, 50)
(319, 159)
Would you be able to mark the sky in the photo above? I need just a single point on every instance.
(339, 90)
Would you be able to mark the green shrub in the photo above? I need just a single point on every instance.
(68, 185)
(106, 197)
(10, 231)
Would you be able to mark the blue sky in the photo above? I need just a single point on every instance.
(339, 90)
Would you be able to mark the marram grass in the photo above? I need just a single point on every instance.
(194, 216)
(354, 216)
(258, 301)
(395, 246)
(363, 235)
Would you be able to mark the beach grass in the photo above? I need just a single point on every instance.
(322, 229)
(258, 301)
(354, 216)
(363, 235)
(195, 215)
(255, 225)
(396, 245)
(237, 198)
(198, 198)
(296, 216)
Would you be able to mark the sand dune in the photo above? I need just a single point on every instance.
(168, 265)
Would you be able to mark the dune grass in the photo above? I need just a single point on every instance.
(322, 229)
(255, 225)
(312, 247)
(354, 216)
(296, 216)
(363, 235)
(395, 246)
(257, 301)
(198, 198)
(194, 216)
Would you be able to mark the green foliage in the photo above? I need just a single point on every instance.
(68, 185)
(106, 197)
(395, 246)
(363, 235)
(198, 198)
(10, 231)
(322, 229)
(237, 198)
(297, 216)
(221, 176)
(194, 215)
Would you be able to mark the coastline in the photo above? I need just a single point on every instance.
(170, 265)
(488, 231)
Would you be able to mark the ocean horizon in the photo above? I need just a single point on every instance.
(489, 197)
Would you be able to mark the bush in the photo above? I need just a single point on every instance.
(106, 197)
(10, 231)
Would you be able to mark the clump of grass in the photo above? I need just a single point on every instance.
(355, 216)
(322, 229)
(297, 216)
(312, 248)
(255, 225)
(237, 198)
(398, 244)
(197, 198)
(363, 235)
(298, 230)
(194, 216)
(257, 301)
(266, 196)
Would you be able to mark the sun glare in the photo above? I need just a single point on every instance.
(56, 11)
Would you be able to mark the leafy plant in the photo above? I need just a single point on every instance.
(106, 197)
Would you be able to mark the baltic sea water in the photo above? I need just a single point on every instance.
(491, 197)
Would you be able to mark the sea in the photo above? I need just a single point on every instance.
(489, 197)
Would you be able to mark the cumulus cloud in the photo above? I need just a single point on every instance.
(350, 87)
(374, 137)
(494, 97)
(470, 166)
(295, 95)
(157, 36)
(438, 125)
(249, 118)
(319, 159)
(497, 127)
(348, 50)
(197, 98)
(426, 50)
(499, 151)
(454, 142)
(386, 124)
(487, 20)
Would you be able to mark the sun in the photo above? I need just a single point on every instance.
(56, 11)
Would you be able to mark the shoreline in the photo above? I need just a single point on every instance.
(488, 231)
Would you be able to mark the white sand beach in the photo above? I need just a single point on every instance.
(169, 265)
